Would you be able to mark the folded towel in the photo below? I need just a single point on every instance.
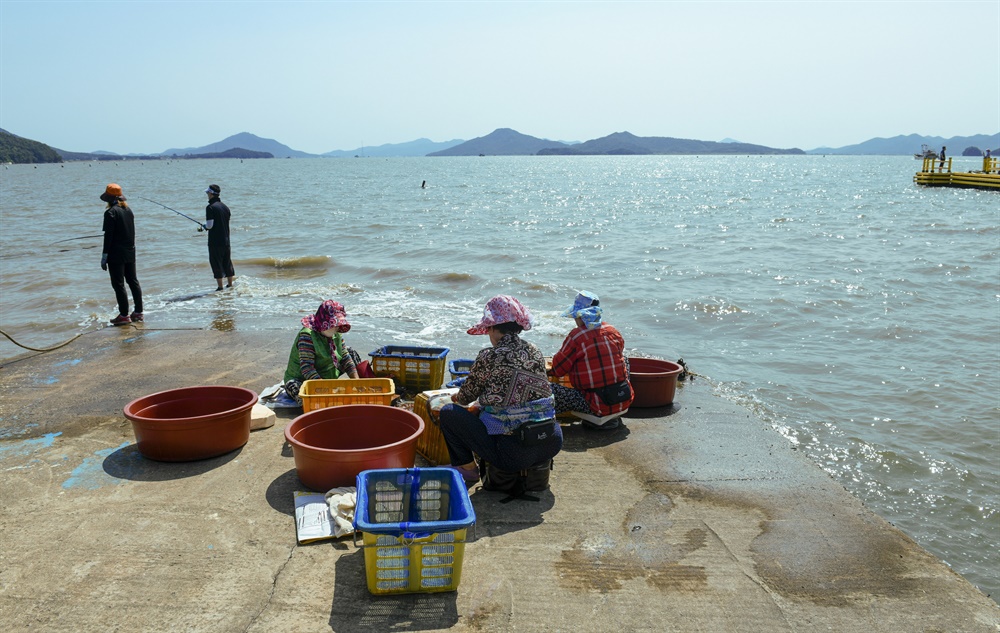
(342, 502)
(271, 392)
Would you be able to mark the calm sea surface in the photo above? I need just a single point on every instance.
(857, 313)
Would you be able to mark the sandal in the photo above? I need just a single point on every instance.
(469, 475)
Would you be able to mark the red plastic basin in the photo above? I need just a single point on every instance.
(182, 425)
(653, 381)
(331, 446)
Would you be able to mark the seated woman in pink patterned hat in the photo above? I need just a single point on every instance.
(508, 381)
(319, 350)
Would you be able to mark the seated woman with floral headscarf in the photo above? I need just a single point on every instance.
(593, 355)
(319, 350)
(508, 381)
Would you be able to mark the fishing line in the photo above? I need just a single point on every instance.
(82, 237)
(200, 227)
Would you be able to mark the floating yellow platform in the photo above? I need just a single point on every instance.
(935, 173)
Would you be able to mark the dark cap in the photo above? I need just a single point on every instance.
(214, 190)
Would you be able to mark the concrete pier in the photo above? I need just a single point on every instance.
(695, 517)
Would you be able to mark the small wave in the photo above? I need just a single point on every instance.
(309, 261)
(547, 287)
(188, 297)
(450, 278)
(383, 274)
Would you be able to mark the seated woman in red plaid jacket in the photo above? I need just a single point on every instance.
(593, 355)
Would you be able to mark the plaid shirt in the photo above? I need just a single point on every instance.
(593, 358)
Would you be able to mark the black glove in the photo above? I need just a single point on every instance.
(104, 261)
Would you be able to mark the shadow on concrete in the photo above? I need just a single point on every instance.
(280, 494)
(577, 438)
(495, 516)
(355, 609)
(652, 412)
(287, 414)
(128, 463)
(284, 417)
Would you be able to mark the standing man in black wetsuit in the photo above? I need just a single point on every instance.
(118, 256)
(217, 224)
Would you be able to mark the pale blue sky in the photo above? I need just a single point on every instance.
(142, 77)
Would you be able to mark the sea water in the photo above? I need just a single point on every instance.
(857, 313)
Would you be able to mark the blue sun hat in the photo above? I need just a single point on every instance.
(587, 308)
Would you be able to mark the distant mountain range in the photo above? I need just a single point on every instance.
(419, 147)
(624, 143)
(507, 142)
(243, 140)
(910, 144)
(500, 142)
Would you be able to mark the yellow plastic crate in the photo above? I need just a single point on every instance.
(320, 394)
(431, 442)
(413, 525)
(564, 381)
(416, 368)
(408, 564)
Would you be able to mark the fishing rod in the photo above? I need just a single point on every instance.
(82, 237)
(200, 226)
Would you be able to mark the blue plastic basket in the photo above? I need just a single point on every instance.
(459, 367)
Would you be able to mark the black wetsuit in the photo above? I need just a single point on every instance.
(119, 245)
(218, 239)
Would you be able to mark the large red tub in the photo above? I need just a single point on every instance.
(331, 446)
(653, 381)
(182, 425)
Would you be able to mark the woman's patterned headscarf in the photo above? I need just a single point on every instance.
(330, 315)
(586, 307)
(503, 309)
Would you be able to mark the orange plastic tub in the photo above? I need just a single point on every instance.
(653, 381)
(331, 446)
(182, 425)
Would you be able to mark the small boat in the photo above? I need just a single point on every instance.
(926, 152)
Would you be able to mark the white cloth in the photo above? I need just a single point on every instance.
(276, 398)
(342, 502)
(271, 392)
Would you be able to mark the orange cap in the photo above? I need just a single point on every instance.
(111, 192)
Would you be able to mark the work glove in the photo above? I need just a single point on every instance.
(104, 261)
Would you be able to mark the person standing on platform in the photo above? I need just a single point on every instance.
(217, 224)
(118, 256)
